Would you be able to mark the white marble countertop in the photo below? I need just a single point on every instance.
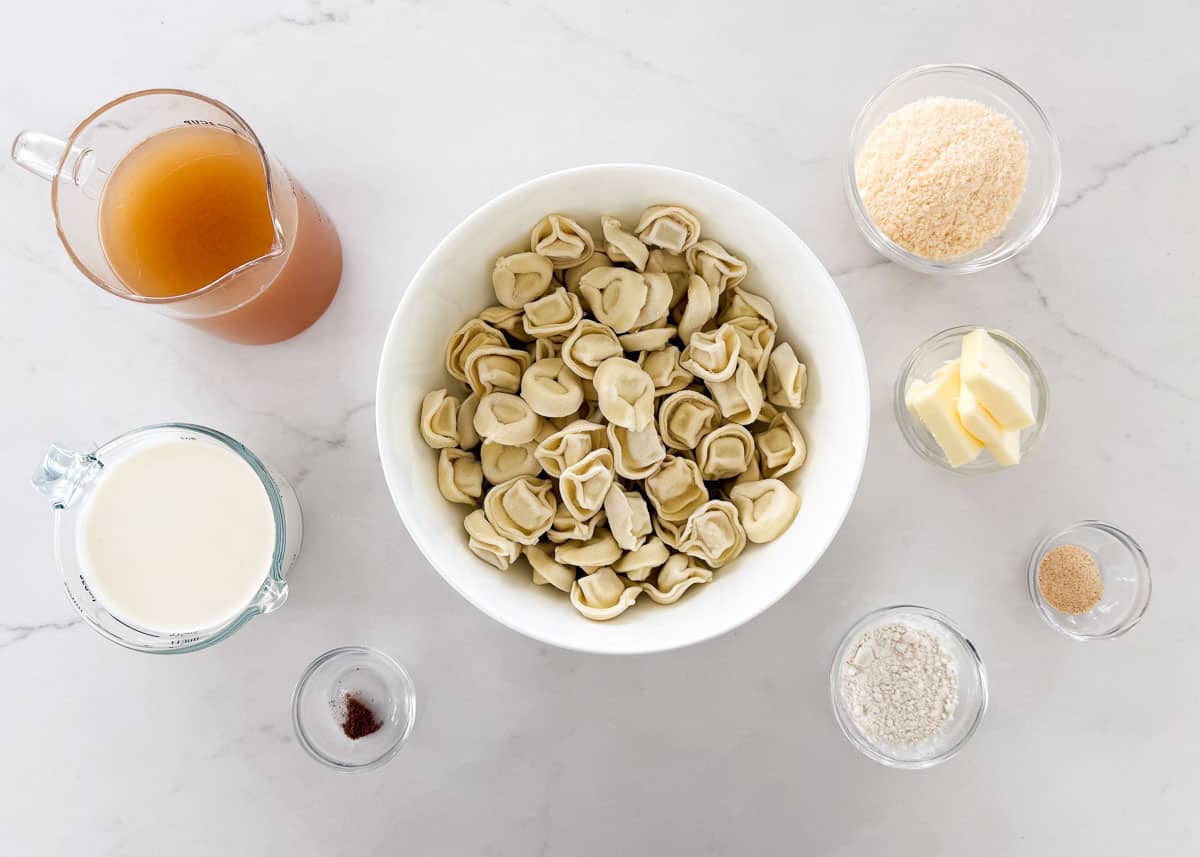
(402, 118)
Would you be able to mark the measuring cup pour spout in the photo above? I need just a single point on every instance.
(63, 472)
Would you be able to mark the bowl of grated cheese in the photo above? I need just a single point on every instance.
(952, 169)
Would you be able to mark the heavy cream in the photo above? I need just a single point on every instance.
(178, 536)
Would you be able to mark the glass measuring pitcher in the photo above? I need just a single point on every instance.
(167, 198)
(170, 537)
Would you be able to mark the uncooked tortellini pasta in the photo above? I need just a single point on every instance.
(585, 483)
(676, 577)
(628, 517)
(476, 333)
(493, 368)
(460, 476)
(685, 417)
(671, 227)
(713, 533)
(602, 595)
(507, 419)
(439, 419)
(638, 563)
(676, 488)
(664, 370)
(756, 339)
(700, 307)
(507, 320)
(598, 551)
(554, 316)
(589, 345)
(740, 397)
(551, 388)
(636, 454)
(616, 296)
(521, 278)
(622, 246)
(561, 240)
(569, 445)
(781, 447)
(501, 462)
(725, 452)
(719, 268)
(547, 570)
(712, 356)
(766, 508)
(568, 528)
(487, 544)
(787, 378)
(521, 509)
(626, 393)
(621, 418)
(649, 339)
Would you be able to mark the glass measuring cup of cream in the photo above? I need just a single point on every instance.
(170, 537)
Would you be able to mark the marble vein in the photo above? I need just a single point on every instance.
(863, 267)
(10, 634)
(315, 15)
(641, 63)
(1132, 368)
(1110, 169)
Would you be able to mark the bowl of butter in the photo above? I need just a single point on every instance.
(971, 399)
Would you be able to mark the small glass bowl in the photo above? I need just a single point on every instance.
(1042, 184)
(934, 353)
(1125, 572)
(972, 691)
(318, 707)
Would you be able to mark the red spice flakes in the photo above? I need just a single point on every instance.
(359, 720)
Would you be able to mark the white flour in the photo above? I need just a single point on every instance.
(900, 684)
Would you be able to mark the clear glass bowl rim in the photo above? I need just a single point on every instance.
(895, 252)
(1139, 557)
(908, 424)
(842, 716)
(411, 708)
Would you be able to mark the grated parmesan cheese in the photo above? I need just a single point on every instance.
(942, 176)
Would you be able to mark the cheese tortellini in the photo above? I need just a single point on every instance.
(589, 345)
(521, 278)
(507, 419)
(551, 388)
(460, 476)
(787, 378)
(621, 419)
(439, 419)
(626, 393)
(767, 507)
(561, 240)
(713, 356)
(521, 509)
(671, 227)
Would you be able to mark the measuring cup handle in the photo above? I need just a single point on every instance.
(62, 472)
(45, 156)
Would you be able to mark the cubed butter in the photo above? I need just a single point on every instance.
(996, 381)
(1004, 445)
(935, 404)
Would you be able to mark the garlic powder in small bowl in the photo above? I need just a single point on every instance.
(908, 688)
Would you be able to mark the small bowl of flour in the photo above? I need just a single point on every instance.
(909, 689)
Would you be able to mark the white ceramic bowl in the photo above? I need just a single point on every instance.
(454, 284)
